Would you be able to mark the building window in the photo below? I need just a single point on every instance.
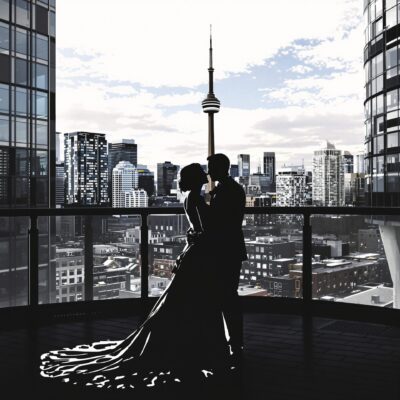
(22, 12)
(42, 47)
(41, 105)
(20, 101)
(21, 72)
(21, 130)
(21, 41)
(4, 38)
(4, 99)
(41, 75)
(52, 23)
(41, 133)
(4, 128)
(391, 18)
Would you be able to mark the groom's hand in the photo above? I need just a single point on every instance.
(190, 236)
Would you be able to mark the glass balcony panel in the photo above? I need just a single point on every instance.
(115, 248)
(167, 239)
(116, 257)
(14, 261)
(274, 246)
(351, 259)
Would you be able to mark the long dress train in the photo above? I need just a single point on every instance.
(183, 338)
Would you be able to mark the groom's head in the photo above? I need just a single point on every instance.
(218, 166)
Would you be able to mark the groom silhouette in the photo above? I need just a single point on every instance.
(227, 205)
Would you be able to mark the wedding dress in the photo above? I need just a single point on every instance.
(184, 337)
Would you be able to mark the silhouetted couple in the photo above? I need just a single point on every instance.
(194, 331)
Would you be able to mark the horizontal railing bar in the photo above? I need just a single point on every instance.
(146, 211)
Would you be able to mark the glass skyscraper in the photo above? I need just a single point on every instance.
(27, 140)
(27, 103)
(382, 83)
(86, 169)
(124, 151)
(244, 165)
(382, 121)
(166, 174)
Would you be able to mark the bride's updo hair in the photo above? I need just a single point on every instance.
(191, 176)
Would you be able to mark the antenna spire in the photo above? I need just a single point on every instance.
(211, 49)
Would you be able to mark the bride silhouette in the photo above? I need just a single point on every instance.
(183, 339)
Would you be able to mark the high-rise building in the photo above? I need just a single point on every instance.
(381, 59)
(145, 179)
(359, 163)
(262, 181)
(348, 162)
(126, 150)
(381, 106)
(269, 164)
(86, 169)
(124, 179)
(166, 173)
(291, 186)
(328, 177)
(244, 165)
(27, 104)
(27, 140)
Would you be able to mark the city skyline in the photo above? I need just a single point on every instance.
(287, 96)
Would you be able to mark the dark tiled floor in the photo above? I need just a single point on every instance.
(285, 358)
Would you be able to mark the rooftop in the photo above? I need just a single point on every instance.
(379, 296)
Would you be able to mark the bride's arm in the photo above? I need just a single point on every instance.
(204, 211)
(192, 210)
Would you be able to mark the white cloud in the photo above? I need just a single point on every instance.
(300, 69)
(165, 44)
(160, 42)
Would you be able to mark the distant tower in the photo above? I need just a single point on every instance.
(328, 177)
(210, 105)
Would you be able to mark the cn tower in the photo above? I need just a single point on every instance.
(210, 104)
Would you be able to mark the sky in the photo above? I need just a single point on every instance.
(289, 76)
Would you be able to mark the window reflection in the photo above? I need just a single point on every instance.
(4, 37)
(21, 72)
(4, 128)
(42, 48)
(391, 18)
(392, 100)
(41, 133)
(41, 76)
(41, 163)
(21, 130)
(21, 162)
(4, 99)
(41, 105)
(5, 9)
(52, 23)
(392, 140)
(21, 101)
(21, 41)
(22, 12)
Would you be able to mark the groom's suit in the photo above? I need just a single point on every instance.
(227, 205)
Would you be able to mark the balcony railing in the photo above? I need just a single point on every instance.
(306, 303)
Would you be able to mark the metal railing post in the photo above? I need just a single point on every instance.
(144, 258)
(88, 258)
(33, 262)
(307, 263)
